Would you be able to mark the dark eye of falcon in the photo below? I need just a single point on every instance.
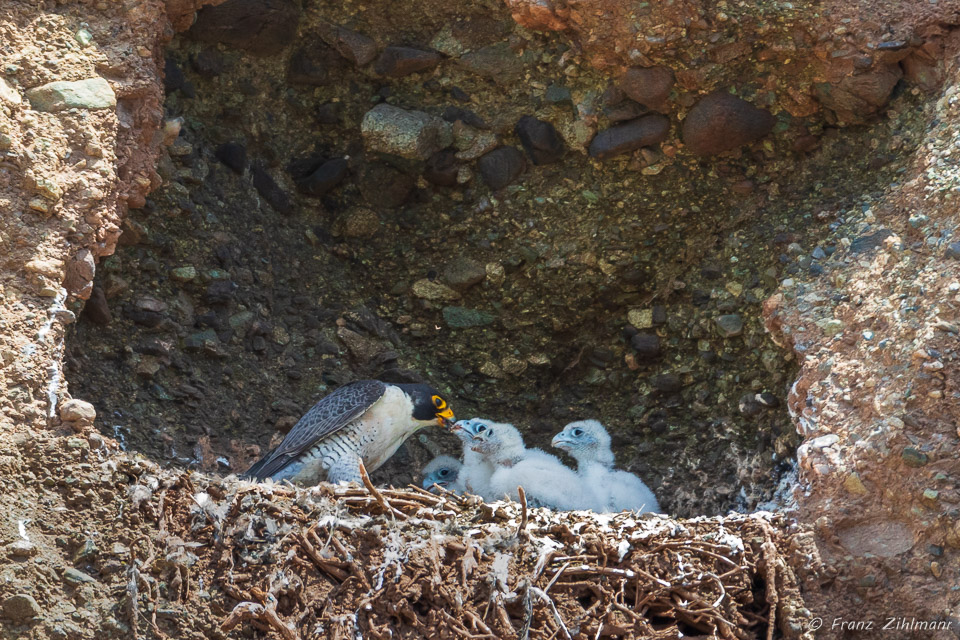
(481, 428)
(439, 402)
(444, 472)
(577, 432)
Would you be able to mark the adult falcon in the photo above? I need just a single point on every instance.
(363, 421)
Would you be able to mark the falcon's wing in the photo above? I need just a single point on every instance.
(328, 416)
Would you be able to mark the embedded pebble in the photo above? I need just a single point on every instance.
(629, 137)
(8, 92)
(722, 122)
(501, 166)
(325, 178)
(316, 65)
(76, 577)
(355, 47)
(540, 140)
(268, 188)
(462, 273)
(729, 325)
(430, 290)
(75, 410)
(184, 274)
(647, 346)
(913, 457)
(648, 86)
(233, 155)
(396, 62)
(20, 608)
(409, 134)
(92, 94)
(463, 318)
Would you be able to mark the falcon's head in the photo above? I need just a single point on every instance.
(428, 405)
(442, 471)
(585, 440)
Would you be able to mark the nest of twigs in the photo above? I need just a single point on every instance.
(349, 562)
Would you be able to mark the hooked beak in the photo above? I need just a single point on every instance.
(559, 442)
(445, 418)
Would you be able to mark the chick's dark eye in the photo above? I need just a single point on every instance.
(578, 432)
(444, 472)
(481, 428)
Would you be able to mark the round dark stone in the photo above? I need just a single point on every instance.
(806, 143)
(650, 87)
(623, 111)
(711, 271)
(666, 383)
(646, 345)
(209, 63)
(317, 65)
(659, 315)
(452, 114)
(441, 169)
(749, 406)
(540, 139)
(173, 78)
(219, 292)
(326, 177)
(402, 61)
(355, 47)
(767, 399)
(270, 191)
(384, 187)
(659, 425)
(624, 138)
(233, 155)
(722, 122)
(262, 27)
(501, 166)
(329, 113)
(96, 310)
(149, 319)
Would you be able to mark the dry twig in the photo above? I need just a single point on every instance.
(523, 512)
(377, 495)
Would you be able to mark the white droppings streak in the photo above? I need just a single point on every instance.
(22, 529)
(119, 437)
(53, 366)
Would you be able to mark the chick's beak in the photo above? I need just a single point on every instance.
(445, 418)
(559, 441)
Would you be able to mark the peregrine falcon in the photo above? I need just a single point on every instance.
(545, 480)
(363, 421)
(589, 444)
(443, 471)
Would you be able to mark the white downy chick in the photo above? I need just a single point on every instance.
(443, 471)
(475, 471)
(614, 490)
(545, 480)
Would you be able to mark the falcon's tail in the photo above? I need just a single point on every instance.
(261, 469)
